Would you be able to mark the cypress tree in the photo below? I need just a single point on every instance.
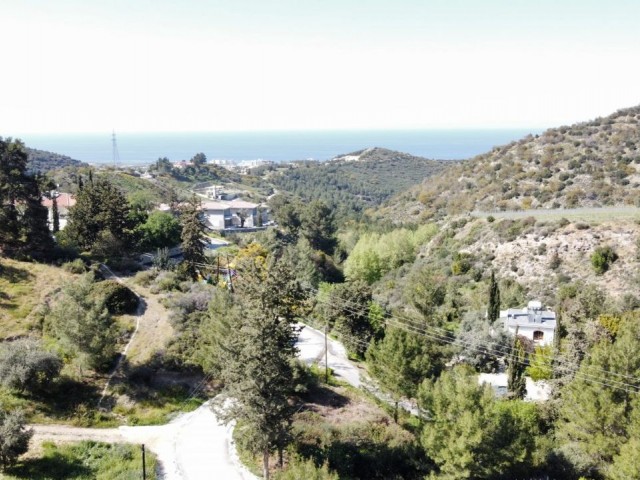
(55, 214)
(493, 312)
(516, 383)
(193, 236)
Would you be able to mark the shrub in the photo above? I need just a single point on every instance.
(118, 298)
(25, 365)
(76, 266)
(461, 263)
(491, 219)
(602, 258)
(165, 282)
(15, 438)
(299, 468)
(540, 363)
(145, 277)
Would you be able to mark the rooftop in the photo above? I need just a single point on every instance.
(532, 314)
(63, 200)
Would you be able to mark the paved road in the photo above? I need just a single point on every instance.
(311, 346)
(192, 447)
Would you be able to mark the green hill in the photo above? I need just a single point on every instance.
(43, 161)
(357, 181)
(589, 164)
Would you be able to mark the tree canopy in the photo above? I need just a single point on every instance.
(23, 218)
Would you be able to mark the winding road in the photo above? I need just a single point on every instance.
(194, 446)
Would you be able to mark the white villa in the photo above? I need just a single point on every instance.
(237, 213)
(533, 322)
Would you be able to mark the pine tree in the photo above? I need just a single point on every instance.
(55, 214)
(193, 236)
(23, 218)
(257, 368)
(101, 211)
(493, 312)
(516, 383)
(82, 324)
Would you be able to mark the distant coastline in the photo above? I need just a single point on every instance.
(144, 148)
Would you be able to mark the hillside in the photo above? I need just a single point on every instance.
(534, 258)
(43, 161)
(354, 182)
(588, 164)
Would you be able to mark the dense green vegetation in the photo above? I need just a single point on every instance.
(350, 187)
(416, 306)
(24, 231)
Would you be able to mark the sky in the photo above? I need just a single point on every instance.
(245, 65)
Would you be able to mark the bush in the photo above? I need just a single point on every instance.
(165, 282)
(118, 298)
(461, 263)
(299, 468)
(15, 438)
(145, 277)
(77, 266)
(602, 259)
(25, 365)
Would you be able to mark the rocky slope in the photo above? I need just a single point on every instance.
(543, 255)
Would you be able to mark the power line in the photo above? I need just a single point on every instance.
(499, 353)
(444, 336)
(503, 351)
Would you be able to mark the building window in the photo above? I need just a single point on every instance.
(537, 335)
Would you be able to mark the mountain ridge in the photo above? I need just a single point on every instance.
(588, 164)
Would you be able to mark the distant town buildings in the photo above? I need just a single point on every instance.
(533, 322)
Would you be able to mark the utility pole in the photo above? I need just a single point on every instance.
(326, 354)
(144, 465)
(114, 145)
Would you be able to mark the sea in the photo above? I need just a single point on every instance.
(277, 146)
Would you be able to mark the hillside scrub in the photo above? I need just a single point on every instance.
(82, 326)
(588, 164)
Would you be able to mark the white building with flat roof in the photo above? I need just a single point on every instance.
(533, 322)
(237, 213)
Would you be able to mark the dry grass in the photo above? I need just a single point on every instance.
(155, 329)
(24, 287)
(341, 405)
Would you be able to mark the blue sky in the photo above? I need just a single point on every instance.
(199, 65)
